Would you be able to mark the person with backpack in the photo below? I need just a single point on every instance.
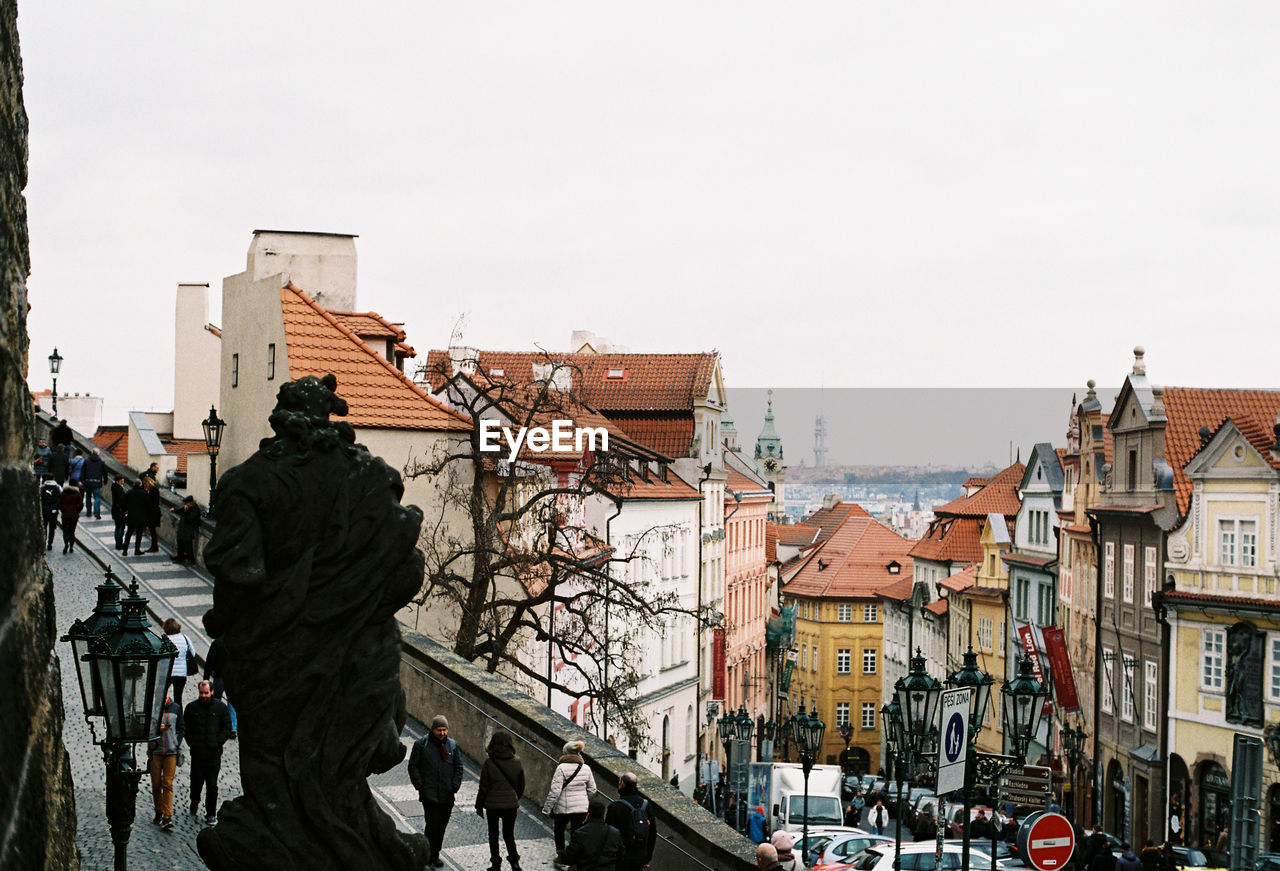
(630, 815)
(758, 826)
(569, 795)
(501, 786)
(595, 845)
(50, 493)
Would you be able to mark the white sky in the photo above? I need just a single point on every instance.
(887, 194)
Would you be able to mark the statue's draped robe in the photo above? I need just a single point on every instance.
(313, 556)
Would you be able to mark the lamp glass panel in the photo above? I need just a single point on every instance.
(981, 701)
(104, 668)
(90, 689)
(817, 729)
(163, 668)
(136, 689)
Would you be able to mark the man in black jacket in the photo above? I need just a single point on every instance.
(208, 727)
(435, 768)
(595, 845)
(92, 475)
(637, 850)
(137, 511)
(119, 511)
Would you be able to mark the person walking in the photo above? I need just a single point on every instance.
(501, 787)
(1128, 860)
(119, 511)
(76, 466)
(183, 661)
(757, 826)
(878, 818)
(152, 489)
(41, 464)
(435, 768)
(767, 858)
(788, 858)
(208, 726)
(137, 508)
(926, 827)
(630, 815)
(92, 476)
(980, 827)
(188, 524)
(59, 464)
(50, 494)
(215, 666)
(595, 845)
(1103, 860)
(569, 795)
(70, 501)
(163, 755)
(1150, 856)
(61, 436)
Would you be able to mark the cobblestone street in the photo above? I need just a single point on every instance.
(177, 591)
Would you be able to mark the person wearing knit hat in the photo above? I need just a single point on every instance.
(435, 768)
(758, 826)
(788, 860)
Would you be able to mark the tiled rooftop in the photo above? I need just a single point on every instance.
(999, 495)
(951, 540)
(114, 440)
(795, 534)
(378, 395)
(853, 562)
(671, 436)
(828, 520)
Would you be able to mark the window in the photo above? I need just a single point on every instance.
(1151, 707)
(868, 715)
(497, 373)
(1022, 592)
(1148, 574)
(1273, 685)
(1002, 630)
(869, 660)
(1126, 576)
(842, 714)
(271, 361)
(844, 658)
(1132, 471)
(844, 612)
(1126, 691)
(802, 657)
(1044, 605)
(813, 660)
(1109, 571)
(1213, 642)
(235, 370)
(984, 633)
(1108, 678)
(870, 614)
(1238, 542)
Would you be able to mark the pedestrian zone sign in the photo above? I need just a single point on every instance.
(953, 739)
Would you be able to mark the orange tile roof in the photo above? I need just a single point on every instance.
(794, 534)
(650, 382)
(771, 542)
(1027, 559)
(655, 488)
(670, 436)
(378, 394)
(900, 590)
(938, 606)
(1177, 597)
(961, 580)
(828, 520)
(371, 325)
(1189, 408)
(975, 481)
(181, 447)
(952, 540)
(997, 496)
(747, 488)
(114, 440)
(854, 562)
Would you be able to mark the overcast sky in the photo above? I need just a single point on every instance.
(855, 194)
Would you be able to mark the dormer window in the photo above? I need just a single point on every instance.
(497, 373)
(615, 374)
(894, 567)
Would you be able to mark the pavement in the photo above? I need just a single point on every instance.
(186, 593)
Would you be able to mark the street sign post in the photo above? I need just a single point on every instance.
(1028, 785)
(1046, 840)
(953, 739)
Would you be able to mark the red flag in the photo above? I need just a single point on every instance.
(1064, 681)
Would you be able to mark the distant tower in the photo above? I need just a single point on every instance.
(820, 437)
(769, 462)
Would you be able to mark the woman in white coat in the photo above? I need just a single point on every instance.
(572, 786)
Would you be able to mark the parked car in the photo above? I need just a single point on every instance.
(1267, 862)
(915, 857)
(1188, 857)
(818, 838)
(841, 849)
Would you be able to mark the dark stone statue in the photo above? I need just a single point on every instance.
(1244, 674)
(312, 557)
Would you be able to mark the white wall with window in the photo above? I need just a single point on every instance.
(1148, 574)
(869, 613)
(985, 626)
(1126, 691)
(1238, 542)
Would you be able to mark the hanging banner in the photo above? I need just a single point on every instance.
(717, 665)
(1064, 681)
(1027, 635)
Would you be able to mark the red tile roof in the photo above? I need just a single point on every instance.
(114, 440)
(952, 540)
(669, 436)
(1177, 597)
(938, 606)
(900, 590)
(371, 325)
(181, 447)
(828, 520)
(655, 488)
(997, 496)
(854, 562)
(744, 486)
(771, 542)
(961, 580)
(1026, 559)
(794, 534)
(378, 394)
(1189, 408)
(975, 481)
(649, 382)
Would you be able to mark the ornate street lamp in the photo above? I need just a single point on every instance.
(1073, 745)
(1022, 704)
(969, 675)
(807, 731)
(767, 730)
(213, 427)
(128, 669)
(918, 695)
(55, 365)
(846, 733)
(104, 618)
(899, 756)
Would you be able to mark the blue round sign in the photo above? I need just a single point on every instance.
(953, 743)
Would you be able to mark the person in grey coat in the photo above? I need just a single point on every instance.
(435, 768)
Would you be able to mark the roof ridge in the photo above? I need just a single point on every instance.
(370, 352)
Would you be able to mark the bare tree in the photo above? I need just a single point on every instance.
(517, 554)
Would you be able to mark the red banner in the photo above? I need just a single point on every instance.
(717, 665)
(1028, 637)
(1064, 681)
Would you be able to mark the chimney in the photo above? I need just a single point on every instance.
(1157, 404)
(463, 359)
(1139, 366)
(831, 500)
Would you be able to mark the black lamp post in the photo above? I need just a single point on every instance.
(122, 675)
(744, 726)
(727, 727)
(918, 696)
(1022, 705)
(768, 730)
(213, 427)
(1073, 743)
(969, 676)
(899, 760)
(55, 365)
(807, 731)
(846, 733)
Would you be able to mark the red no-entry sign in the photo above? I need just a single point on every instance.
(1046, 840)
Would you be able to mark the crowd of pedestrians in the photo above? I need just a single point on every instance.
(590, 834)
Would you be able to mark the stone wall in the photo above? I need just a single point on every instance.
(437, 681)
(37, 802)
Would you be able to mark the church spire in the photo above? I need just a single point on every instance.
(768, 444)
